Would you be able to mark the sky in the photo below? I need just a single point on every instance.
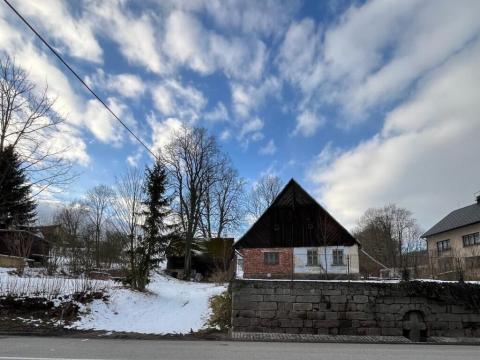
(364, 103)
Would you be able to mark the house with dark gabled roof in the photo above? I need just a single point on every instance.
(454, 243)
(296, 238)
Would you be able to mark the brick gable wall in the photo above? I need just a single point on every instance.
(255, 267)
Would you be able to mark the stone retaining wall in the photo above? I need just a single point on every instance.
(415, 310)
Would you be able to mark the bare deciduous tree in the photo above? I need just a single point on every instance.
(222, 206)
(98, 201)
(263, 194)
(191, 158)
(28, 123)
(388, 233)
(127, 206)
(69, 243)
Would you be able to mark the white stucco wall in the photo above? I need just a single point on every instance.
(325, 260)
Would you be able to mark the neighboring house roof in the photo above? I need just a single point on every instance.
(295, 219)
(467, 215)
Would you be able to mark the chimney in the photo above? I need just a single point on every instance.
(477, 196)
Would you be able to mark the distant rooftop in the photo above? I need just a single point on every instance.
(467, 215)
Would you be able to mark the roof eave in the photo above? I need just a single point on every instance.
(426, 235)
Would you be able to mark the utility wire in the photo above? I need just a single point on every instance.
(79, 78)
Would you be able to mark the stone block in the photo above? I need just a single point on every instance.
(240, 321)
(338, 299)
(302, 306)
(290, 323)
(360, 299)
(308, 298)
(307, 330)
(267, 314)
(316, 315)
(308, 323)
(279, 298)
(392, 332)
(330, 315)
(335, 292)
(245, 305)
(326, 323)
(369, 331)
(298, 315)
(455, 309)
(347, 331)
(471, 318)
(368, 323)
(455, 325)
(333, 331)
(267, 305)
(243, 313)
(293, 330)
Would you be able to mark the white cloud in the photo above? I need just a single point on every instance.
(172, 98)
(67, 102)
(248, 97)
(127, 85)
(425, 156)
(267, 18)
(219, 113)
(299, 55)
(102, 124)
(307, 124)
(268, 149)
(135, 34)
(134, 159)
(72, 33)
(252, 127)
(422, 34)
(69, 143)
(375, 53)
(163, 131)
(189, 43)
(225, 135)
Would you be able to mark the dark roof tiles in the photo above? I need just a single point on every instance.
(467, 215)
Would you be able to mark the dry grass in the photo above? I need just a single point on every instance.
(48, 287)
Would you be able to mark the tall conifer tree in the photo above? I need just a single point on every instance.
(17, 208)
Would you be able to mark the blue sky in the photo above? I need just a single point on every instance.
(364, 103)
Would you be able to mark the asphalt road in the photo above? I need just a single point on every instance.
(42, 348)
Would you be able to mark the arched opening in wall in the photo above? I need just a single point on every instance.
(414, 326)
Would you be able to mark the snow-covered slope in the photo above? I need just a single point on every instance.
(171, 306)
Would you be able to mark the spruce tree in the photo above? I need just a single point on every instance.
(156, 231)
(17, 208)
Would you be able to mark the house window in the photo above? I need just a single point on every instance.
(312, 257)
(337, 257)
(443, 245)
(471, 239)
(270, 258)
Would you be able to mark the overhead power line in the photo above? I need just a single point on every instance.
(79, 78)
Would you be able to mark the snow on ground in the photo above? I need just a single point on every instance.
(170, 306)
